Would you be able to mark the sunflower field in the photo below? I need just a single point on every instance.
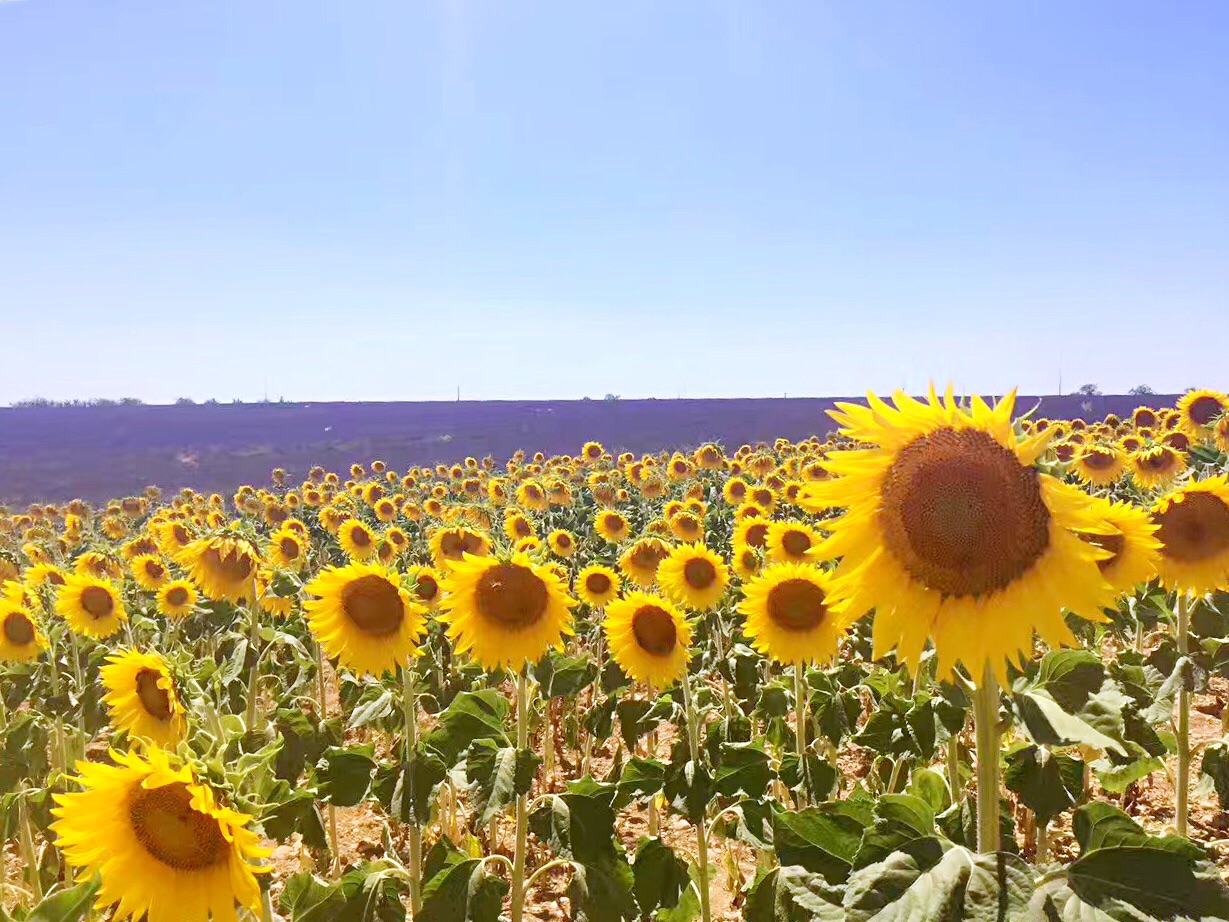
(953, 662)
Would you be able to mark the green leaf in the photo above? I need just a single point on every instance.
(750, 821)
(929, 786)
(373, 711)
(1100, 825)
(811, 775)
(1134, 884)
(1048, 783)
(959, 824)
(67, 905)
(564, 676)
(1162, 708)
(497, 776)
(1071, 677)
(744, 770)
(462, 891)
(1117, 778)
(602, 891)
(898, 820)
(344, 775)
(898, 728)
(822, 839)
(1215, 768)
(661, 876)
(959, 885)
(1048, 724)
(689, 788)
(298, 813)
(793, 894)
(577, 827)
(405, 789)
(371, 892)
(471, 716)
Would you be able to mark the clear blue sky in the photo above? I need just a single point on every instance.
(382, 199)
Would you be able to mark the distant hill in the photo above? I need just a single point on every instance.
(97, 453)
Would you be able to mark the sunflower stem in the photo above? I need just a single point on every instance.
(254, 676)
(693, 740)
(29, 852)
(335, 859)
(953, 768)
(986, 724)
(800, 730)
(522, 800)
(409, 701)
(1182, 787)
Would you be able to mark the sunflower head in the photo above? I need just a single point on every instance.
(1098, 464)
(141, 697)
(1193, 529)
(21, 639)
(450, 545)
(611, 525)
(149, 571)
(505, 612)
(1199, 410)
(177, 598)
(1156, 466)
(790, 615)
(649, 638)
(597, 585)
(1129, 543)
(164, 848)
(791, 541)
(365, 616)
(91, 606)
(223, 566)
(640, 561)
(694, 576)
(953, 536)
(562, 543)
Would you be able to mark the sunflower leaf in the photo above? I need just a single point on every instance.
(497, 775)
(793, 894)
(67, 905)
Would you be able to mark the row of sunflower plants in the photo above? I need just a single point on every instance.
(769, 686)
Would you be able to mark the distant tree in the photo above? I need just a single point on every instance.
(211, 402)
(611, 398)
(184, 402)
(33, 402)
(1141, 390)
(1089, 390)
(131, 402)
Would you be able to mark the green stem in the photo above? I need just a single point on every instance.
(335, 861)
(800, 729)
(693, 739)
(986, 724)
(953, 768)
(29, 852)
(522, 800)
(409, 700)
(1043, 843)
(254, 678)
(1184, 720)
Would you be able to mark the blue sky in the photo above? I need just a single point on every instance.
(379, 199)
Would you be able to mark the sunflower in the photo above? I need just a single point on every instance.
(141, 698)
(356, 539)
(611, 525)
(100, 564)
(1131, 544)
(694, 576)
(752, 532)
(506, 612)
(1144, 418)
(287, 549)
(21, 639)
(789, 614)
(365, 617)
(1193, 528)
(149, 571)
(1220, 433)
(44, 574)
(223, 567)
(449, 545)
(517, 526)
(1198, 411)
(747, 561)
(649, 638)
(426, 583)
(791, 541)
(91, 606)
(640, 561)
(165, 849)
(597, 585)
(561, 542)
(592, 451)
(1156, 466)
(1098, 464)
(177, 598)
(951, 534)
(687, 527)
(532, 495)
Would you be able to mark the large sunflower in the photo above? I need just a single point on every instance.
(91, 606)
(177, 598)
(1198, 411)
(356, 539)
(21, 639)
(149, 571)
(694, 576)
(649, 638)
(1156, 466)
(639, 562)
(611, 525)
(1193, 528)
(365, 617)
(1130, 542)
(165, 849)
(597, 585)
(141, 697)
(505, 612)
(224, 567)
(789, 614)
(951, 534)
(450, 545)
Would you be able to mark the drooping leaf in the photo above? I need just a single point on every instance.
(661, 876)
(68, 905)
(344, 774)
(821, 839)
(461, 891)
(744, 771)
(793, 894)
(1047, 782)
(497, 775)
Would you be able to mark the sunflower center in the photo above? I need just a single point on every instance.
(155, 699)
(797, 605)
(181, 534)
(597, 583)
(374, 605)
(97, 602)
(796, 543)
(359, 536)
(235, 567)
(647, 556)
(155, 569)
(289, 548)
(1099, 460)
(512, 595)
(962, 515)
(178, 595)
(18, 630)
(1203, 410)
(699, 573)
(522, 529)
(428, 588)
(563, 541)
(614, 523)
(1157, 461)
(757, 534)
(1114, 543)
(1195, 529)
(175, 833)
(655, 630)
